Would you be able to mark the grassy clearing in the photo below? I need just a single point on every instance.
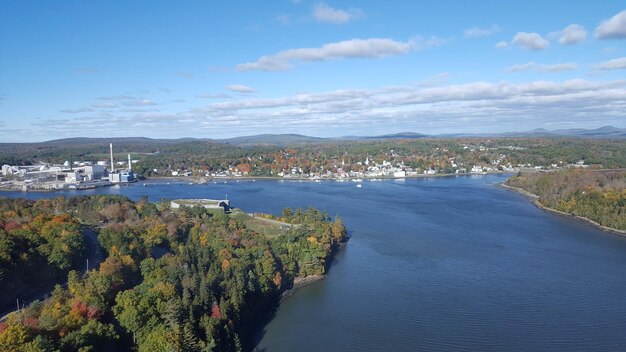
(261, 226)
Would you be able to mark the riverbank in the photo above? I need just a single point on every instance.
(203, 179)
(537, 203)
(300, 282)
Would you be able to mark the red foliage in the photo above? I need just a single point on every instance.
(11, 225)
(215, 312)
(233, 242)
(85, 310)
(3, 326)
(32, 322)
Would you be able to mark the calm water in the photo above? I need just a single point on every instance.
(445, 264)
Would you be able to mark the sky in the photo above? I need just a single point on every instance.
(220, 69)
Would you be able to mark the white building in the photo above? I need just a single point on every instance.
(94, 172)
(477, 169)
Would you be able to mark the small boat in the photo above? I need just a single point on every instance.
(359, 185)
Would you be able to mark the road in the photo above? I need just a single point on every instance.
(95, 256)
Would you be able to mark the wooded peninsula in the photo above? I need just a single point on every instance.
(187, 279)
(597, 195)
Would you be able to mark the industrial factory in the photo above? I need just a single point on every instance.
(69, 175)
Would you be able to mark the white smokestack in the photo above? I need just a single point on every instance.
(112, 164)
(130, 165)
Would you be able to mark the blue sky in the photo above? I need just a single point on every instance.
(213, 69)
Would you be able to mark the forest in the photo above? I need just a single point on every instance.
(173, 280)
(37, 247)
(596, 195)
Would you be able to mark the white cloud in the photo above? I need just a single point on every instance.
(502, 45)
(465, 107)
(325, 13)
(115, 102)
(530, 41)
(614, 64)
(572, 34)
(347, 49)
(213, 96)
(105, 105)
(76, 111)
(116, 97)
(613, 28)
(240, 88)
(481, 32)
(138, 102)
(553, 68)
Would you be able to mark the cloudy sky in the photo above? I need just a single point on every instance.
(218, 69)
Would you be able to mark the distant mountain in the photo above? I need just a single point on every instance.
(114, 140)
(272, 139)
(401, 135)
(605, 132)
(292, 139)
(602, 132)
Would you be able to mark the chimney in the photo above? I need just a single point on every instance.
(130, 165)
(112, 165)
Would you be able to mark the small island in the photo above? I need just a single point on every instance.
(190, 278)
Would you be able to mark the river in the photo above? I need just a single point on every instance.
(436, 264)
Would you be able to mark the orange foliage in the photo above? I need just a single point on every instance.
(278, 279)
(10, 214)
(204, 239)
(225, 264)
(112, 265)
(225, 253)
(61, 219)
(244, 167)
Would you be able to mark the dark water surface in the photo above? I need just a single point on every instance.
(441, 264)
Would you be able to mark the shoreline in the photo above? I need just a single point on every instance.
(299, 283)
(196, 180)
(536, 203)
(346, 179)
